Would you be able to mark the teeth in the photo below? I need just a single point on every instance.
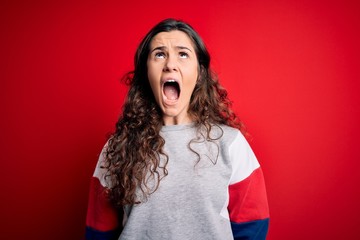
(171, 80)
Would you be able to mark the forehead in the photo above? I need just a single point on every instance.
(172, 39)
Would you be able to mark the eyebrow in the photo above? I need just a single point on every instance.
(163, 48)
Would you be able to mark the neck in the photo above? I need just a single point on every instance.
(167, 120)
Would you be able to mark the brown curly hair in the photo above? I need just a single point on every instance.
(133, 150)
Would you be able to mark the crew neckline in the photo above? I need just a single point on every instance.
(177, 127)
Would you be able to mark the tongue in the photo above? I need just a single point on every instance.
(171, 92)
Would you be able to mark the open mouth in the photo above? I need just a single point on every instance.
(171, 90)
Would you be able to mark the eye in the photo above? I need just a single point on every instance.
(183, 55)
(160, 55)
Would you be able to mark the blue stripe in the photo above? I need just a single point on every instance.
(254, 230)
(92, 234)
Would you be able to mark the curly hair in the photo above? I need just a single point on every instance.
(134, 149)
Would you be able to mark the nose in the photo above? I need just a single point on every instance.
(170, 65)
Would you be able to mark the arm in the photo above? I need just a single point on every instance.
(102, 220)
(248, 206)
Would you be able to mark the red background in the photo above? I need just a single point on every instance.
(291, 68)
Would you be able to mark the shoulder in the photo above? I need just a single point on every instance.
(241, 155)
(230, 135)
(100, 170)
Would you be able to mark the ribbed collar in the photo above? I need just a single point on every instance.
(179, 127)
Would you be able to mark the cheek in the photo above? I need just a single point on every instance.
(154, 80)
(193, 75)
(150, 71)
(190, 84)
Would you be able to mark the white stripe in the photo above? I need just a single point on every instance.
(243, 159)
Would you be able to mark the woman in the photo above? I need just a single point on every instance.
(177, 166)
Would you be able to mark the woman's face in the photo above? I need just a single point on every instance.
(172, 71)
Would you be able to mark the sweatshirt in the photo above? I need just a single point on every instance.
(213, 190)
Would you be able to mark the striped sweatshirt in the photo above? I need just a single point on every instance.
(213, 190)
